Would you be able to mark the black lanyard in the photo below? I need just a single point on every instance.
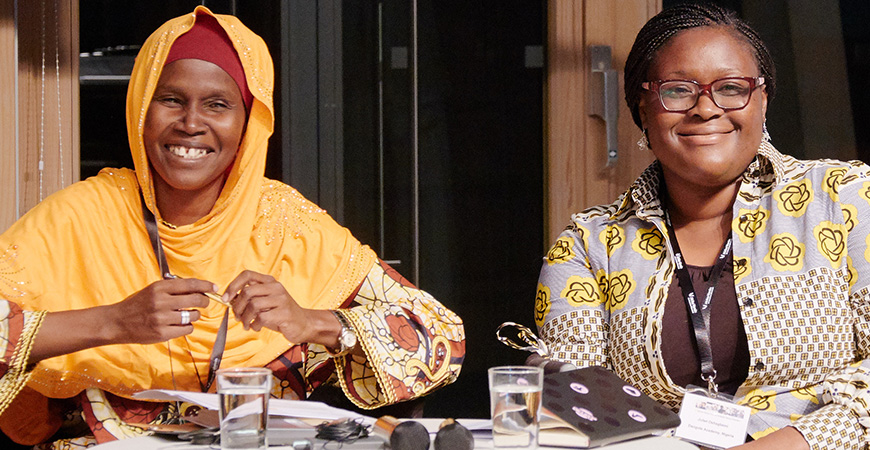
(700, 312)
(217, 351)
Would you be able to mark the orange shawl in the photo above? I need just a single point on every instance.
(87, 246)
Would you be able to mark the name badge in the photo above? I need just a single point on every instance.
(712, 421)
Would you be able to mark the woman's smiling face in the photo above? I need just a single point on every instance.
(706, 146)
(193, 127)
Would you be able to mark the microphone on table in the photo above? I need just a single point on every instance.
(453, 436)
(408, 435)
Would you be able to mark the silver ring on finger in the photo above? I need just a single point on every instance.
(185, 317)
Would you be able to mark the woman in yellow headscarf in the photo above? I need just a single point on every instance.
(92, 316)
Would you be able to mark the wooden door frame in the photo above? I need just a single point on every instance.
(576, 176)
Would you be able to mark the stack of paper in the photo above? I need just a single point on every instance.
(277, 407)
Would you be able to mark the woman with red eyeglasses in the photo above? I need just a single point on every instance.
(728, 269)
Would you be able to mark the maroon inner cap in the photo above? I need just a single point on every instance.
(207, 41)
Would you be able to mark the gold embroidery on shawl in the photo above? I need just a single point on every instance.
(283, 208)
(759, 400)
(808, 393)
(9, 287)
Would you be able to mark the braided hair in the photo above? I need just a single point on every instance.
(666, 24)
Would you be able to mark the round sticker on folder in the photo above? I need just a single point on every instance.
(584, 413)
(631, 390)
(637, 415)
(579, 388)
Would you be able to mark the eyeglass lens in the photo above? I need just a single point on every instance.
(727, 93)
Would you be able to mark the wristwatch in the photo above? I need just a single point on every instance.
(347, 336)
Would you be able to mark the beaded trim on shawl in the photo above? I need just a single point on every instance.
(361, 260)
(283, 209)
(9, 288)
(276, 215)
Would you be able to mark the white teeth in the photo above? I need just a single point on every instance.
(186, 152)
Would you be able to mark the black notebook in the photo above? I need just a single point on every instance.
(592, 406)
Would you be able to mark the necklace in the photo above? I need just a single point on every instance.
(203, 387)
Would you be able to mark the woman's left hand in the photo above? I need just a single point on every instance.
(259, 300)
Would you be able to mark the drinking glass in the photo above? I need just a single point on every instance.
(244, 412)
(515, 399)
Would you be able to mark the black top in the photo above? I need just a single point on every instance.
(727, 336)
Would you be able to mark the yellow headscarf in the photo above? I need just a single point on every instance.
(87, 246)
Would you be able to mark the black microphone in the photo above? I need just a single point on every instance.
(408, 435)
(453, 436)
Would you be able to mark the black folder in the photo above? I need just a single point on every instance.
(592, 406)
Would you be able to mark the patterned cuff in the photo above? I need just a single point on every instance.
(361, 383)
(578, 337)
(18, 372)
(831, 426)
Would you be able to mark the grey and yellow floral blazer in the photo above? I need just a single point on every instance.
(802, 276)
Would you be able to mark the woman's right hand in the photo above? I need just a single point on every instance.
(155, 314)
(149, 316)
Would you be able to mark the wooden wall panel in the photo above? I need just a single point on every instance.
(564, 114)
(39, 112)
(576, 172)
(8, 149)
(48, 98)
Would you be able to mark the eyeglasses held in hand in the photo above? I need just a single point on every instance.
(728, 94)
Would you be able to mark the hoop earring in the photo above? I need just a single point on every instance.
(643, 142)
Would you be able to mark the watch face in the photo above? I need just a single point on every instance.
(348, 338)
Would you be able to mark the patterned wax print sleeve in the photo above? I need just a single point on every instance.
(18, 329)
(844, 420)
(570, 304)
(412, 343)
